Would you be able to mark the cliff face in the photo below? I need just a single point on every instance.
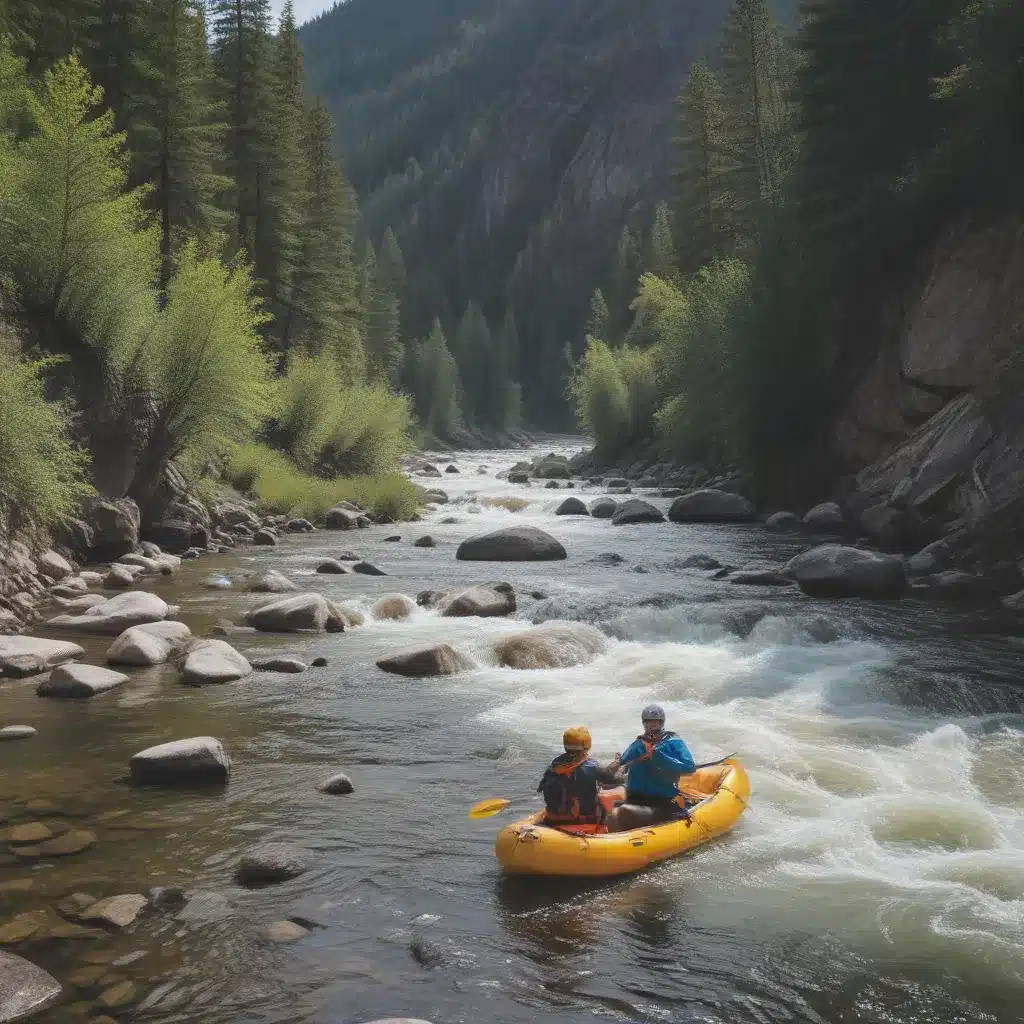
(935, 426)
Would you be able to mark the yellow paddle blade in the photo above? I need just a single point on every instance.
(487, 808)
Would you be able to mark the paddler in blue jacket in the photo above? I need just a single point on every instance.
(654, 763)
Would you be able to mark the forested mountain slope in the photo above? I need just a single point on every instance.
(507, 143)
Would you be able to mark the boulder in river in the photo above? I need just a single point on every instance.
(267, 863)
(711, 506)
(16, 732)
(299, 526)
(290, 665)
(80, 604)
(265, 538)
(425, 542)
(518, 478)
(119, 911)
(825, 518)
(636, 511)
(603, 508)
(339, 518)
(80, 681)
(295, 614)
(552, 467)
(337, 785)
(487, 600)
(608, 558)
(368, 569)
(148, 644)
(782, 521)
(195, 760)
(551, 645)
(118, 578)
(426, 661)
(117, 614)
(272, 582)
(25, 989)
(834, 570)
(332, 567)
(213, 661)
(572, 507)
(393, 607)
(512, 544)
(29, 655)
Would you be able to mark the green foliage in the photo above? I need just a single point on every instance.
(661, 248)
(280, 488)
(43, 473)
(75, 238)
(597, 320)
(305, 417)
(434, 382)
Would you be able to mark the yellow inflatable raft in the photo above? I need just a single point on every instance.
(528, 847)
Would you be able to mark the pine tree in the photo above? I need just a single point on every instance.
(510, 343)
(391, 265)
(325, 310)
(473, 354)
(597, 319)
(176, 128)
(661, 251)
(704, 201)
(627, 273)
(437, 376)
(114, 32)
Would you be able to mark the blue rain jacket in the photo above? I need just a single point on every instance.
(657, 775)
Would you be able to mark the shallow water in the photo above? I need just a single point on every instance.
(878, 875)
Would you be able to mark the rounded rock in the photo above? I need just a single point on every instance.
(17, 732)
(268, 863)
(337, 785)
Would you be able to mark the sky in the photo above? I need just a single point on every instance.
(304, 9)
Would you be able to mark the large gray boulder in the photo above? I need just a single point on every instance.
(116, 615)
(513, 544)
(57, 567)
(825, 518)
(29, 655)
(213, 661)
(833, 570)
(267, 863)
(194, 760)
(711, 506)
(80, 681)
(341, 519)
(552, 467)
(25, 989)
(551, 645)
(603, 508)
(572, 507)
(782, 521)
(149, 644)
(295, 614)
(272, 582)
(421, 662)
(487, 600)
(636, 511)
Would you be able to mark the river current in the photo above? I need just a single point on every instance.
(877, 876)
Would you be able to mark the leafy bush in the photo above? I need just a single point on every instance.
(281, 488)
(306, 407)
(42, 471)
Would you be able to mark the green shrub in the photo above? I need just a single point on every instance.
(281, 488)
(305, 416)
(42, 471)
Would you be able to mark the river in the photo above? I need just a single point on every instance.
(877, 876)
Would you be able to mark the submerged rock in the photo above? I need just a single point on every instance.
(512, 544)
(25, 989)
(291, 665)
(423, 662)
(267, 863)
(337, 785)
(285, 931)
(194, 760)
(80, 681)
(119, 911)
(551, 645)
(332, 567)
(834, 570)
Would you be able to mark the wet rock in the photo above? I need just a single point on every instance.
(214, 661)
(337, 785)
(538, 595)
(267, 863)
(572, 507)
(87, 977)
(487, 601)
(341, 519)
(295, 614)
(72, 906)
(22, 656)
(205, 908)
(429, 598)
(933, 558)
(319, 662)
(603, 508)
(368, 569)
(348, 556)
(57, 567)
(299, 526)
(265, 538)
(22, 927)
(617, 482)
(25, 989)
(393, 607)
(394, 539)
(425, 542)
(825, 518)
(72, 587)
(519, 478)
(427, 661)
(782, 521)
(552, 485)
(119, 911)
(636, 511)
(332, 568)
(450, 521)
(149, 644)
(711, 506)
(513, 544)
(271, 582)
(170, 897)
(195, 760)
(698, 561)
(16, 732)
(119, 578)
(30, 832)
(551, 645)
(286, 931)
(118, 996)
(80, 681)
(117, 614)
(80, 604)
(761, 578)
(68, 844)
(833, 570)
(608, 558)
(640, 569)
(290, 665)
